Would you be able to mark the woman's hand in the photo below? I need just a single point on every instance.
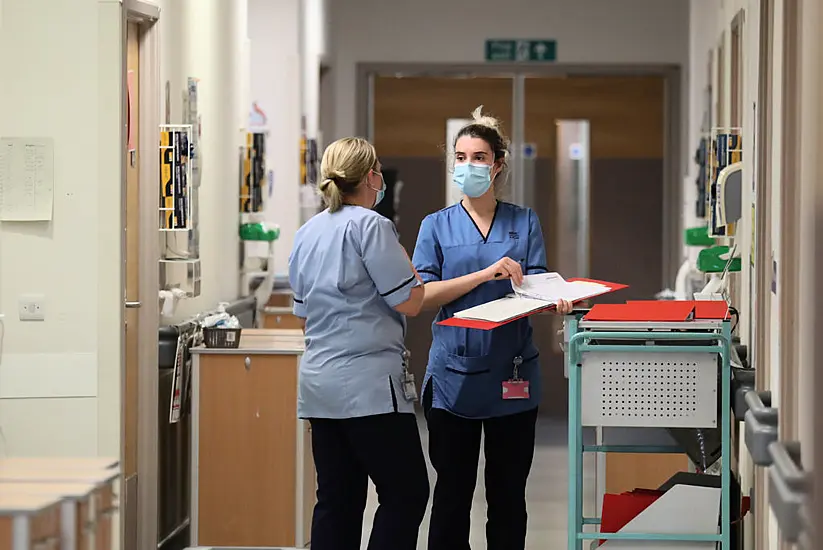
(564, 307)
(505, 268)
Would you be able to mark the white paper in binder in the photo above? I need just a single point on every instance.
(537, 292)
(682, 510)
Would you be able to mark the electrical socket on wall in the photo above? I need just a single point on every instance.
(32, 307)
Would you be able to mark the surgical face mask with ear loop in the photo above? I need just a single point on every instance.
(474, 180)
(380, 192)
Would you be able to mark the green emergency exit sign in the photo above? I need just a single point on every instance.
(521, 50)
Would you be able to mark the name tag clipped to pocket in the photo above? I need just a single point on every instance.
(409, 387)
(516, 387)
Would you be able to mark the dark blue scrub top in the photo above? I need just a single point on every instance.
(467, 367)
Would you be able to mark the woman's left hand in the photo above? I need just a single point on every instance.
(564, 307)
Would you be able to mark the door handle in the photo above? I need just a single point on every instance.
(133, 305)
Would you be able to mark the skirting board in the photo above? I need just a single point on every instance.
(48, 375)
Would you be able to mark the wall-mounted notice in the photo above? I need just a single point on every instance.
(26, 179)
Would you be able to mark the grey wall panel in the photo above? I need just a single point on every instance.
(627, 225)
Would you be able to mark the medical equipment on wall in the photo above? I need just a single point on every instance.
(729, 201)
(175, 178)
(701, 158)
(257, 266)
(689, 279)
(726, 149)
(701, 155)
(310, 201)
(253, 172)
(178, 212)
(719, 261)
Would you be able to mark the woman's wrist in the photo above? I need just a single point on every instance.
(481, 277)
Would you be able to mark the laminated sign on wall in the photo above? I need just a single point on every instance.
(26, 179)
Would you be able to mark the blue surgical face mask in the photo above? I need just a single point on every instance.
(380, 192)
(474, 180)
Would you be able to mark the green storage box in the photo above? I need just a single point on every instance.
(698, 236)
(258, 232)
(709, 260)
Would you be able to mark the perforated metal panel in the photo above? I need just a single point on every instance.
(671, 390)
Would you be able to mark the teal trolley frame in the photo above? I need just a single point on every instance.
(716, 342)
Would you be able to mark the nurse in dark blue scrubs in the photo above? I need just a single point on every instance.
(480, 382)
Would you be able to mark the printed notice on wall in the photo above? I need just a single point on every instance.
(26, 179)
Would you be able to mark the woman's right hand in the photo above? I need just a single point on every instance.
(505, 268)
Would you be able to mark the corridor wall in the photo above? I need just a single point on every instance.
(60, 379)
(790, 156)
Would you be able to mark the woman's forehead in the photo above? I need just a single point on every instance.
(469, 145)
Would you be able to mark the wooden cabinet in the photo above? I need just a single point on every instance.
(253, 480)
(277, 315)
(280, 318)
(628, 471)
(281, 298)
(29, 522)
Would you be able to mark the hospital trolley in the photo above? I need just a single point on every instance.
(672, 375)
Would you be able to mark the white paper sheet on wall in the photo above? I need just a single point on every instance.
(26, 179)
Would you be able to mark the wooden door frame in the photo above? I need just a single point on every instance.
(788, 277)
(763, 194)
(673, 154)
(788, 274)
(763, 241)
(146, 15)
(720, 76)
(737, 67)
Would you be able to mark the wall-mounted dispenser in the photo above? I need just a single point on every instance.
(729, 200)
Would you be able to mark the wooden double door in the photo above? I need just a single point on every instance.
(627, 176)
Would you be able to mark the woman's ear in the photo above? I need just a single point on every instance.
(497, 167)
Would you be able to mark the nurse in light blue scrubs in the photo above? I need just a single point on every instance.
(480, 382)
(353, 285)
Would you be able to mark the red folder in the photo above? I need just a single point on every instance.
(487, 325)
(619, 510)
(648, 311)
(703, 309)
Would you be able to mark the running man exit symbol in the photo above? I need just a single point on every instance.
(523, 50)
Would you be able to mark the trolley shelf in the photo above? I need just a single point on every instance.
(648, 375)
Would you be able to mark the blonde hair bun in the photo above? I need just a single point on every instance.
(484, 120)
(344, 166)
(336, 175)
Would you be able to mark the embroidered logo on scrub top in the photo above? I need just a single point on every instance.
(514, 235)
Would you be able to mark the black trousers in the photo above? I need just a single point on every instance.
(385, 448)
(454, 450)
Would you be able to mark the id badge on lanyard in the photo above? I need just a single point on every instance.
(515, 387)
(409, 387)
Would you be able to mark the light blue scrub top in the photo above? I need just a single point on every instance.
(348, 271)
(467, 367)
